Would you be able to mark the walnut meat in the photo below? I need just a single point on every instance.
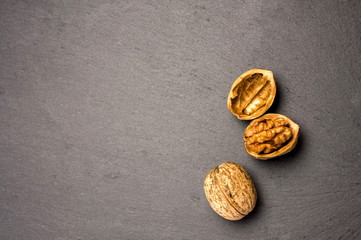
(230, 191)
(252, 94)
(270, 136)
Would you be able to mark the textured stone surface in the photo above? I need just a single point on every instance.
(112, 112)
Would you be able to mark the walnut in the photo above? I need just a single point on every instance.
(230, 191)
(270, 136)
(252, 94)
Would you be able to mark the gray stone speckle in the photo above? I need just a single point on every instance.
(112, 112)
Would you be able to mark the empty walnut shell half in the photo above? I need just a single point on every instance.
(230, 191)
(270, 136)
(252, 94)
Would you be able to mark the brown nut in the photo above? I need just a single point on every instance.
(270, 136)
(252, 94)
(230, 191)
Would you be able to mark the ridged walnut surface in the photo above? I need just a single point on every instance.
(252, 94)
(270, 136)
(230, 191)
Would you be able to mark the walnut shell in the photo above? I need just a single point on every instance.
(270, 136)
(230, 191)
(252, 94)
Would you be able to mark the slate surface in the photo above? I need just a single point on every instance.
(112, 112)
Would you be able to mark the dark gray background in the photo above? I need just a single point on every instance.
(112, 112)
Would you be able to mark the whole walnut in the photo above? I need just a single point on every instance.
(230, 191)
(270, 136)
